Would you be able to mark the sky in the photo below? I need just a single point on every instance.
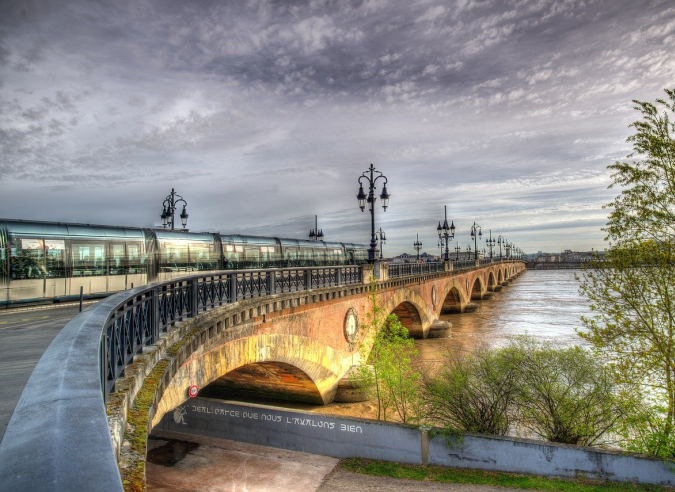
(263, 114)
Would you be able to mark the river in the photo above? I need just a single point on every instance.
(543, 304)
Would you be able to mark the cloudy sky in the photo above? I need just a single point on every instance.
(263, 114)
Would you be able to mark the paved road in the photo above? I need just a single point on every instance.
(24, 336)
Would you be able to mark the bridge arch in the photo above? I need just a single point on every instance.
(454, 298)
(411, 309)
(491, 282)
(476, 292)
(316, 367)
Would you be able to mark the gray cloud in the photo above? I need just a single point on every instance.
(264, 113)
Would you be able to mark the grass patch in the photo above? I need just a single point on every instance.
(479, 477)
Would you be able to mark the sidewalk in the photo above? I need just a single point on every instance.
(178, 462)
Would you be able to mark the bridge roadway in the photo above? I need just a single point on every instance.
(24, 336)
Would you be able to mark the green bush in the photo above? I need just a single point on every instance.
(474, 392)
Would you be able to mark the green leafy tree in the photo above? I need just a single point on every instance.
(632, 295)
(388, 375)
(631, 291)
(473, 392)
(645, 208)
(565, 394)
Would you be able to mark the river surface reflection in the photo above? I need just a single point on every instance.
(543, 304)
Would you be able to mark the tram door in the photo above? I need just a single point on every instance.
(56, 282)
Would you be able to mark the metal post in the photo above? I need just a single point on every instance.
(81, 296)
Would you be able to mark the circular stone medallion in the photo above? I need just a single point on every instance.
(433, 296)
(351, 327)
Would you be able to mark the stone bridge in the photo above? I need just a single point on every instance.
(298, 347)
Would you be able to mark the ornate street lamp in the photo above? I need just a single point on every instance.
(476, 234)
(169, 211)
(446, 233)
(316, 234)
(490, 242)
(500, 241)
(418, 246)
(370, 198)
(382, 237)
(457, 250)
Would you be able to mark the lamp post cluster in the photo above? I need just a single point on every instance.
(316, 234)
(476, 234)
(445, 234)
(371, 178)
(418, 246)
(168, 215)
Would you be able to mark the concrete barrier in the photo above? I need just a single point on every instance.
(347, 437)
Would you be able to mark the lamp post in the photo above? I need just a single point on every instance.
(418, 246)
(490, 242)
(382, 237)
(476, 234)
(500, 241)
(446, 233)
(457, 250)
(169, 211)
(370, 198)
(316, 234)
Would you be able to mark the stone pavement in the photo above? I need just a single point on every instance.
(179, 462)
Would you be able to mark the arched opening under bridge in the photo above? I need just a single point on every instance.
(410, 318)
(452, 302)
(265, 380)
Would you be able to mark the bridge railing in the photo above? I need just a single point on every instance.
(397, 270)
(140, 319)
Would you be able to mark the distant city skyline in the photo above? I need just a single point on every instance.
(262, 114)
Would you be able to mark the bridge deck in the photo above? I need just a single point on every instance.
(24, 336)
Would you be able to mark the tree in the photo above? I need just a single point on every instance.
(645, 208)
(389, 376)
(632, 296)
(473, 392)
(631, 291)
(565, 394)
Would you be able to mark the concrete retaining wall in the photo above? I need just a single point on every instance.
(295, 430)
(344, 437)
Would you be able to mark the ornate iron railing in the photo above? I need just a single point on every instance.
(142, 318)
(397, 270)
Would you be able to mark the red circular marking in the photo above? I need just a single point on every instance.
(192, 391)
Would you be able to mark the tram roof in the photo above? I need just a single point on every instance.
(64, 229)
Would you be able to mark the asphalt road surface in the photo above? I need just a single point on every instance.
(24, 336)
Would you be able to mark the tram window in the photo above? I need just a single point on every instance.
(306, 257)
(174, 257)
(136, 261)
(232, 254)
(268, 257)
(117, 258)
(290, 257)
(3, 263)
(319, 257)
(55, 250)
(200, 257)
(88, 259)
(252, 256)
(27, 259)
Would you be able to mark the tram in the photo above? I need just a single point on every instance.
(51, 261)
